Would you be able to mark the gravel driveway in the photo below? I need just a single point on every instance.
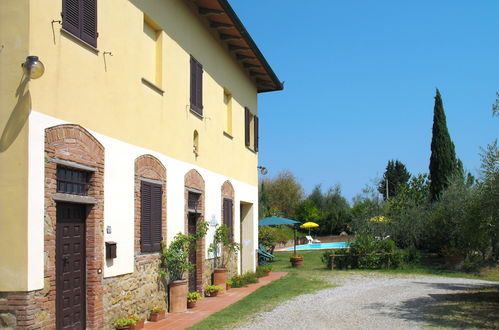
(367, 301)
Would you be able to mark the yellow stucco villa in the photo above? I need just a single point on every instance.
(122, 123)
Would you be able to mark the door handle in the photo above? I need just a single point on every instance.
(65, 259)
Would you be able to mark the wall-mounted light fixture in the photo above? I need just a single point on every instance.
(33, 67)
(263, 170)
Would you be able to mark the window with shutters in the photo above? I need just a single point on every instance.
(196, 98)
(79, 17)
(250, 130)
(228, 217)
(150, 223)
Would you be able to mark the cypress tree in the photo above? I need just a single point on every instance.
(443, 161)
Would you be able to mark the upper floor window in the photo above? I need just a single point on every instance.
(196, 86)
(228, 111)
(250, 130)
(79, 17)
(72, 181)
(152, 51)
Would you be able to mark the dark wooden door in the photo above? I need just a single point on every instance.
(70, 266)
(192, 218)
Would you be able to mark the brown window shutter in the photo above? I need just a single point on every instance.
(89, 22)
(193, 83)
(196, 86)
(246, 126)
(228, 217)
(151, 211)
(156, 208)
(199, 88)
(256, 133)
(145, 217)
(71, 16)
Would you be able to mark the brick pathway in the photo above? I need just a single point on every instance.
(207, 306)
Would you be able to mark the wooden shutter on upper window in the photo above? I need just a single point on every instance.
(89, 22)
(196, 86)
(199, 87)
(71, 16)
(79, 17)
(256, 133)
(247, 120)
(193, 83)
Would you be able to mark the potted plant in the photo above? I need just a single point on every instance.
(211, 290)
(224, 250)
(157, 314)
(296, 260)
(175, 264)
(139, 322)
(124, 323)
(228, 284)
(192, 298)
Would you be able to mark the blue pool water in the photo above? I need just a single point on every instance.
(320, 246)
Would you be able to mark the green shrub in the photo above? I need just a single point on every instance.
(239, 281)
(365, 253)
(409, 256)
(262, 270)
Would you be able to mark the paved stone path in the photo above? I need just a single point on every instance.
(367, 301)
(208, 306)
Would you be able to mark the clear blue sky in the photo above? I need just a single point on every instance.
(360, 79)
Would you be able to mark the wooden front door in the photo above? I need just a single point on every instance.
(192, 218)
(70, 266)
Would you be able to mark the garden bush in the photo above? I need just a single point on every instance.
(239, 281)
(365, 253)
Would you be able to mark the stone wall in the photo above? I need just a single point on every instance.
(25, 310)
(134, 293)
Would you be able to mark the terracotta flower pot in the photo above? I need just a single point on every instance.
(213, 293)
(220, 277)
(155, 317)
(128, 327)
(296, 261)
(138, 325)
(227, 286)
(191, 304)
(178, 296)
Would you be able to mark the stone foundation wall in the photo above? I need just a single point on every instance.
(25, 310)
(134, 293)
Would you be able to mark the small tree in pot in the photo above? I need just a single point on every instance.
(175, 263)
(224, 250)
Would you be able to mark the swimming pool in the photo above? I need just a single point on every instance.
(318, 246)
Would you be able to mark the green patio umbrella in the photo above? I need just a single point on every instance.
(273, 220)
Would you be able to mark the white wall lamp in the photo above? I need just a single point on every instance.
(33, 67)
(263, 170)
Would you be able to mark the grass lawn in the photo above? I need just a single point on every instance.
(471, 309)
